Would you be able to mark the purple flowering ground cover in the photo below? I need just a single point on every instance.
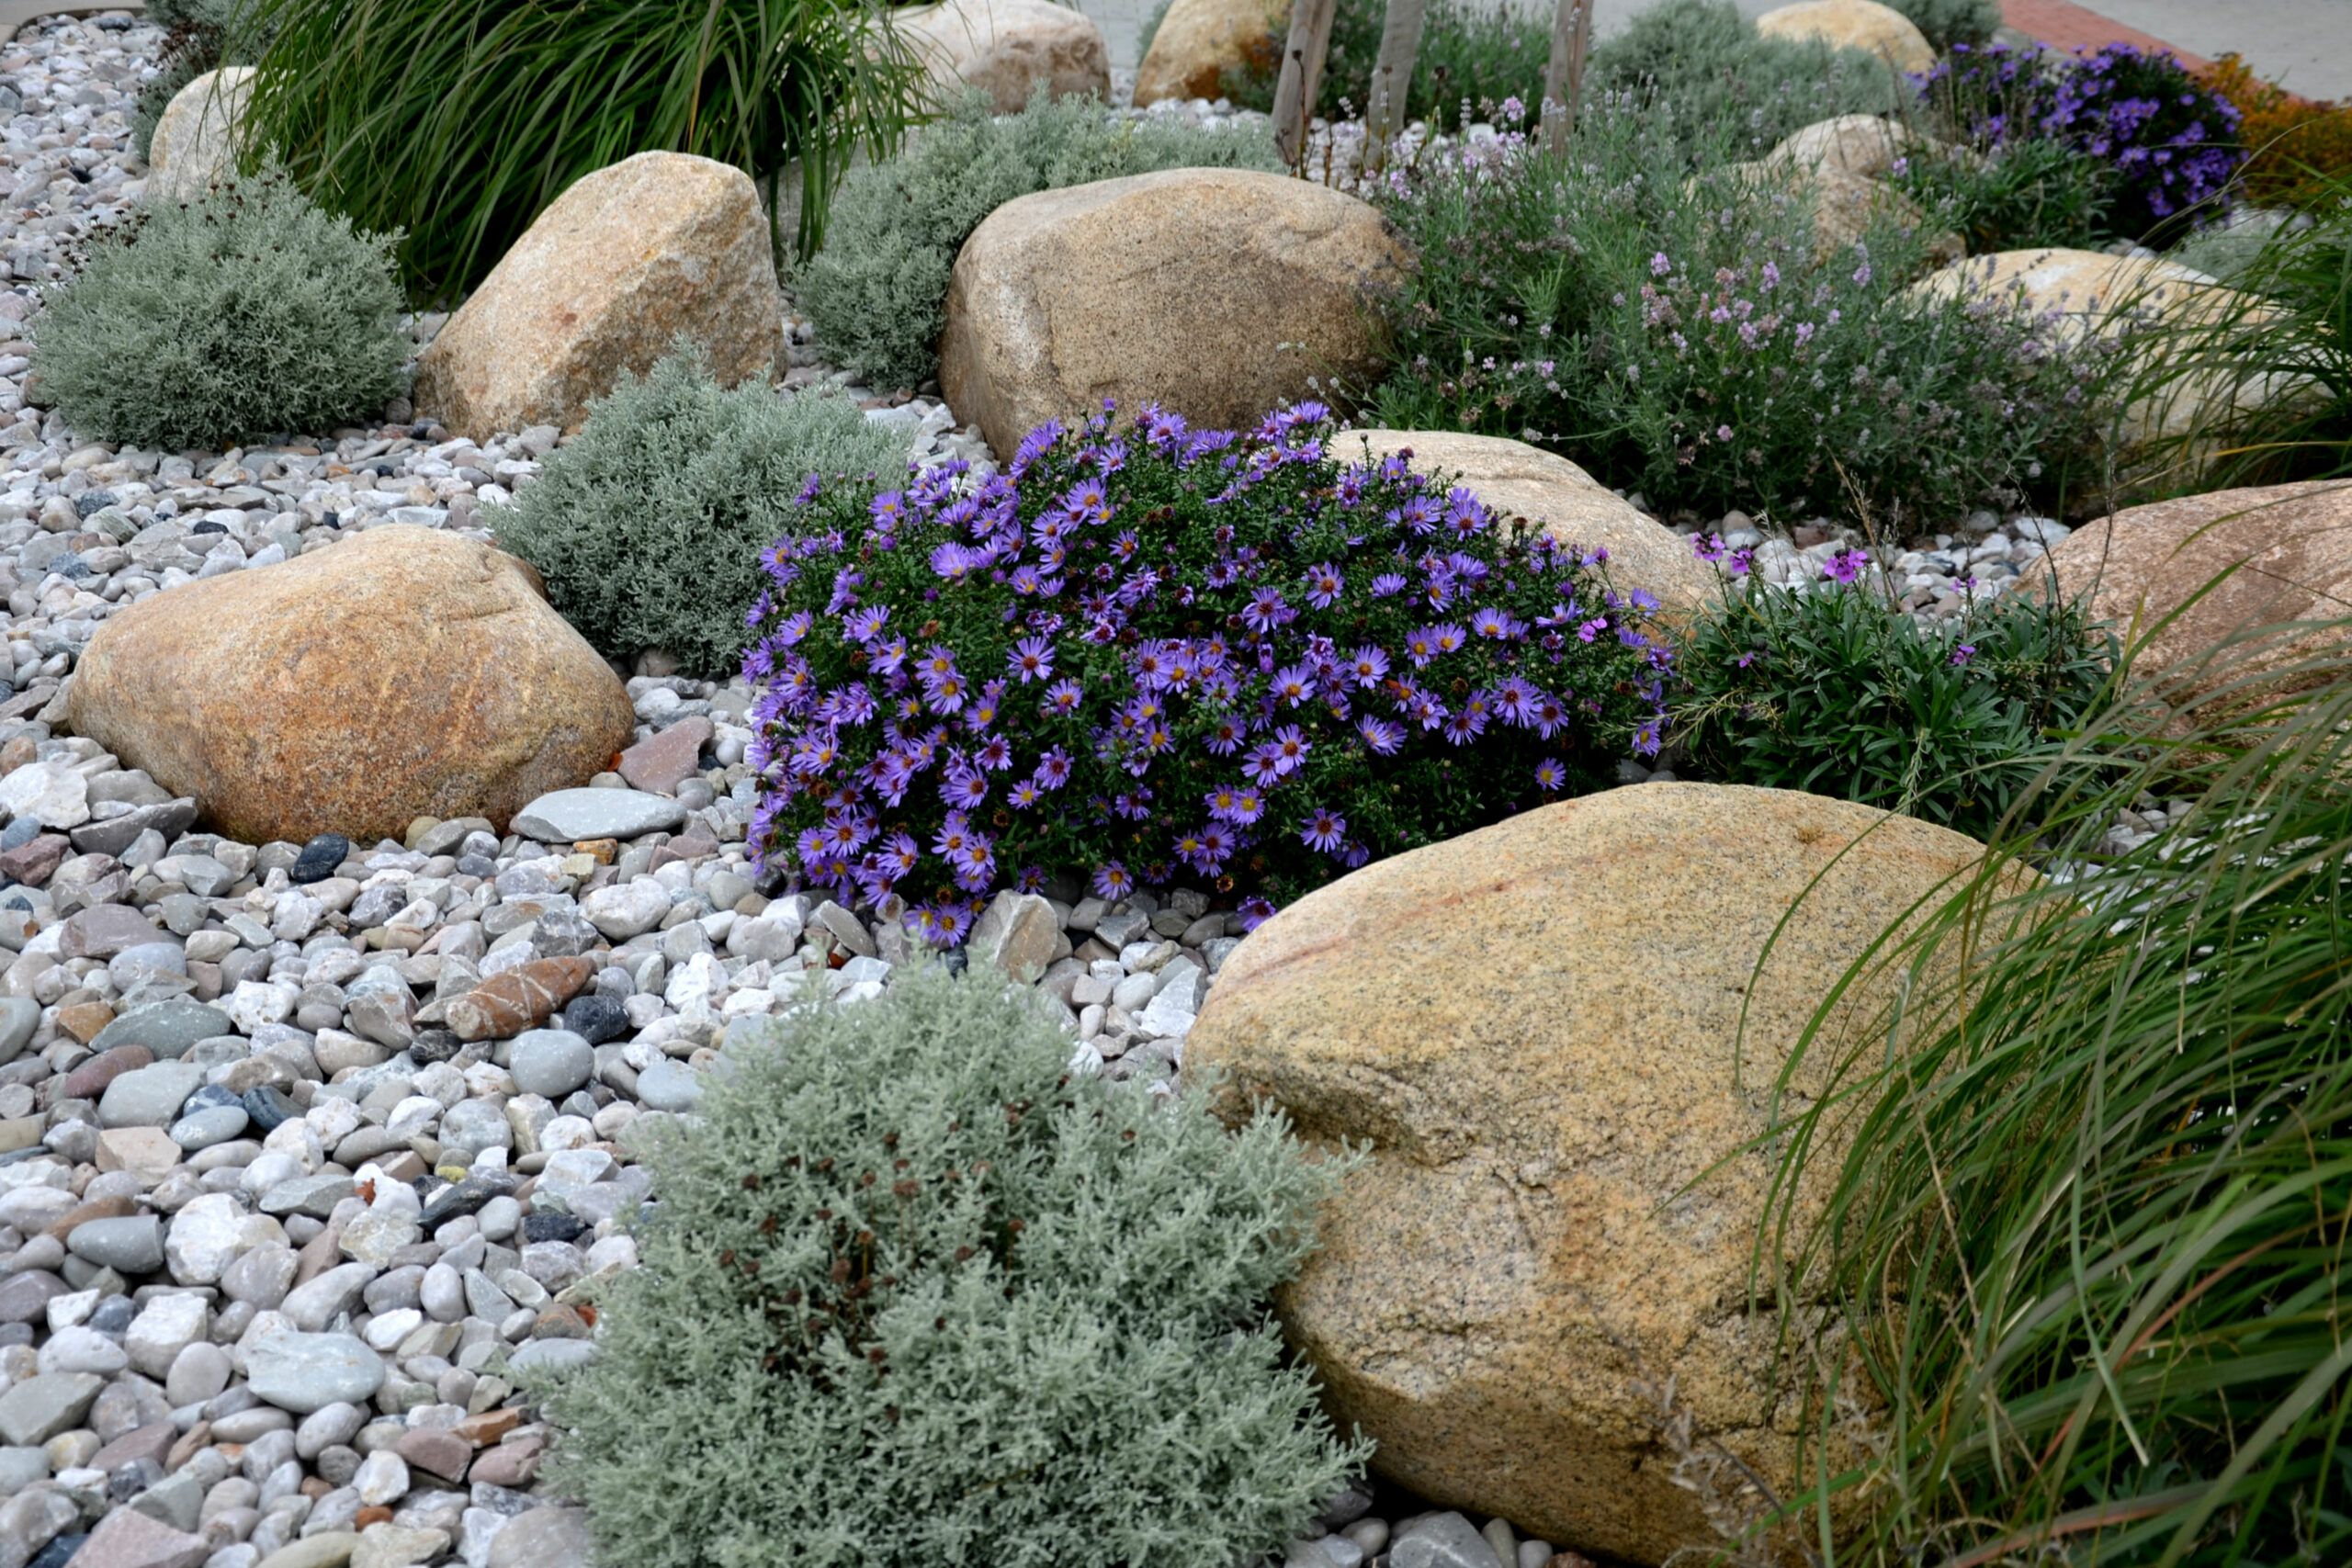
(1144, 653)
(2170, 142)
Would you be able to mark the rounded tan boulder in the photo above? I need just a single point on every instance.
(1006, 47)
(1200, 41)
(1864, 145)
(1864, 25)
(1217, 293)
(194, 143)
(2288, 551)
(1520, 480)
(623, 264)
(1537, 1029)
(402, 672)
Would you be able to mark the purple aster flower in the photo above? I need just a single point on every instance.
(1032, 659)
(1550, 777)
(1369, 665)
(1323, 831)
(1382, 737)
(964, 787)
(1266, 610)
(1112, 881)
(1324, 584)
(1053, 769)
(1293, 685)
(1062, 697)
(1254, 912)
(1388, 585)
(1225, 736)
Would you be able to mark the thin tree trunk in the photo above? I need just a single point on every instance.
(1564, 76)
(1302, 77)
(1392, 78)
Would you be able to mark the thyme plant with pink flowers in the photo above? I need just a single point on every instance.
(1690, 336)
(1148, 652)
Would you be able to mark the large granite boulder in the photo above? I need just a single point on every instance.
(1553, 1037)
(1200, 41)
(402, 672)
(1864, 25)
(2287, 551)
(1217, 293)
(1518, 479)
(632, 258)
(1006, 47)
(1865, 145)
(194, 143)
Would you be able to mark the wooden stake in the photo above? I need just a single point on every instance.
(1563, 74)
(1310, 40)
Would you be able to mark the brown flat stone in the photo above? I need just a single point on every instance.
(90, 1080)
(142, 1442)
(33, 864)
(436, 1451)
(94, 1209)
(85, 1020)
(664, 761)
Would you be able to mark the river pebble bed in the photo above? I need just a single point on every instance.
(306, 1148)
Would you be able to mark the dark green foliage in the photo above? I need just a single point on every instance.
(877, 291)
(2082, 1202)
(1474, 54)
(914, 1294)
(675, 480)
(1706, 80)
(460, 120)
(244, 314)
(1838, 690)
(2024, 196)
(1683, 336)
(1947, 22)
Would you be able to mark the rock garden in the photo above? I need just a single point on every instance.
(787, 784)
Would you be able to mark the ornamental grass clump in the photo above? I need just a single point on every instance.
(245, 313)
(459, 121)
(877, 292)
(913, 1293)
(1834, 688)
(676, 479)
(1151, 652)
(2080, 1205)
(1690, 337)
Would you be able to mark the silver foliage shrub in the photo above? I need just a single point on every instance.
(877, 292)
(247, 313)
(914, 1295)
(648, 524)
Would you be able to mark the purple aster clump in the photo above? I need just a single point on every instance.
(2171, 142)
(1149, 653)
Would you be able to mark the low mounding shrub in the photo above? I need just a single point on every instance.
(2297, 153)
(460, 120)
(2023, 195)
(1707, 82)
(2173, 144)
(1837, 689)
(877, 292)
(1945, 23)
(1685, 337)
(245, 313)
(913, 1293)
(676, 479)
(1165, 649)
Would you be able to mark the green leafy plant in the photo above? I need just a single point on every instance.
(2083, 1202)
(913, 1293)
(1708, 83)
(2023, 195)
(247, 313)
(674, 477)
(460, 120)
(1943, 23)
(1472, 56)
(1834, 688)
(877, 292)
(1688, 337)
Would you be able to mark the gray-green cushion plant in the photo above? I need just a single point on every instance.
(912, 1292)
(1944, 23)
(877, 291)
(1702, 73)
(649, 525)
(247, 313)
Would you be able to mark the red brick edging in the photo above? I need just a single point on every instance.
(2061, 24)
